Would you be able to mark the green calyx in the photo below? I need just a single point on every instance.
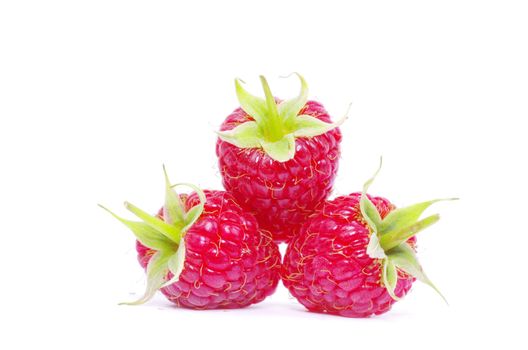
(388, 239)
(274, 127)
(163, 236)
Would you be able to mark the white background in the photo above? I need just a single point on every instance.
(96, 95)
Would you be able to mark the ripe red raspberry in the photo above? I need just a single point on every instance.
(355, 256)
(225, 261)
(279, 159)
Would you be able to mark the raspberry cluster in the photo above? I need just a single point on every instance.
(352, 256)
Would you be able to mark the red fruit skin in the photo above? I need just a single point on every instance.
(229, 262)
(326, 266)
(281, 195)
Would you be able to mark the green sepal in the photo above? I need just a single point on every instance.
(373, 219)
(404, 258)
(146, 234)
(389, 276)
(368, 209)
(252, 105)
(156, 276)
(176, 264)
(169, 231)
(245, 135)
(274, 127)
(289, 109)
(281, 150)
(193, 213)
(370, 213)
(173, 210)
(403, 217)
(395, 238)
(374, 248)
(308, 126)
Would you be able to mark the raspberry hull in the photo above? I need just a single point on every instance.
(229, 263)
(327, 268)
(281, 194)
